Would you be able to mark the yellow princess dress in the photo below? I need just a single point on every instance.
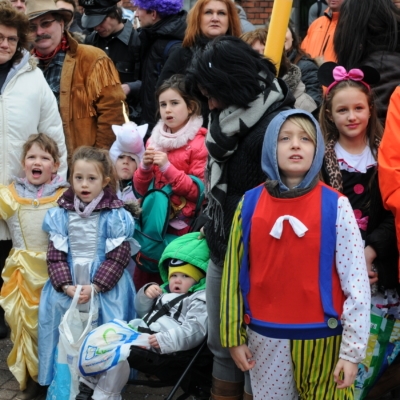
(25, 271)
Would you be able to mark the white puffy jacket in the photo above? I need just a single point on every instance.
(27, 105)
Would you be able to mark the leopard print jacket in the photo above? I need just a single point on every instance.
(332, 175)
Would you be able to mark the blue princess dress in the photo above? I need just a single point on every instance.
(86, 241)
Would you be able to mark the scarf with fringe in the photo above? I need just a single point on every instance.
(225, 129)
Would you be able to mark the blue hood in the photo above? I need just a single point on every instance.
(269, 162)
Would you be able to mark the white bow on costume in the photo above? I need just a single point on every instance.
(299, 228)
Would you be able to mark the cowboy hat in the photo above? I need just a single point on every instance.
(37, 8)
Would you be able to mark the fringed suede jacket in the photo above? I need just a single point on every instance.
(90, 97)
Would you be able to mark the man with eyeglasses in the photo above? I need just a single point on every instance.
(83, 79)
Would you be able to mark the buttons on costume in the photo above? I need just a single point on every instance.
(247, 319)
(35, 203)
(333, 323)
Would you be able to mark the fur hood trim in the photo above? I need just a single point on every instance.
(293, 77)
(33, 62)
(162, 140)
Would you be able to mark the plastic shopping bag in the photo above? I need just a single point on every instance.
(108, 345)
(73, 329)
(383, 347)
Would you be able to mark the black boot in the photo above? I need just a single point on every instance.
(85, 392)
(3, 326)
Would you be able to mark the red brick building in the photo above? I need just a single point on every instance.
(257, 11)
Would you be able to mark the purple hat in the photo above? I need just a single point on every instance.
(163, 7)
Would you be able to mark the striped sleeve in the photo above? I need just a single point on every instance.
(232, 328)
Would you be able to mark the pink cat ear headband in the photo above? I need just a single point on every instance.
(330, 74)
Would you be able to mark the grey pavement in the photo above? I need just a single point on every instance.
(9, 387)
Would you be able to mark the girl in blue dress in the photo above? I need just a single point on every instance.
(90, 245)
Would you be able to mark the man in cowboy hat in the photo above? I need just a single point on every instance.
(120, 41)
(83, 79)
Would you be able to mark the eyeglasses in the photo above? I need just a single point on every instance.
(12, 40)
(43, 25)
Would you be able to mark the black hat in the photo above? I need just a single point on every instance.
(96, 11)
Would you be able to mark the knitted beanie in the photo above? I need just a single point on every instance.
(163, 7)
(184, 268)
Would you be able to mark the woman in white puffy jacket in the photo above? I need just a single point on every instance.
(27, 105)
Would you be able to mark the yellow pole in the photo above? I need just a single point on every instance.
(277, 30)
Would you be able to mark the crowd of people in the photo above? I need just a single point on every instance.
(297, 239)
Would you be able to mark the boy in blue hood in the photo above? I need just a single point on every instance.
(295, 293)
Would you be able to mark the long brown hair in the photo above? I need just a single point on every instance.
(99, 157)
(328, 127)
(194, 21)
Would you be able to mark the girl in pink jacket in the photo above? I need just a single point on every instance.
(175, 150)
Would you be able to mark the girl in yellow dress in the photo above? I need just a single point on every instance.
(23, 205)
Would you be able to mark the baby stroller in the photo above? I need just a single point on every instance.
(190, 370)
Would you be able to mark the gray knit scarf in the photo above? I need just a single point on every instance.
(225, 129)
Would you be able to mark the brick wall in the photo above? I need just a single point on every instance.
(257, 11)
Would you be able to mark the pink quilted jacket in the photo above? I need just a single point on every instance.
(189, 159)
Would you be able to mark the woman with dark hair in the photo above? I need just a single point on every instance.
(28, 106)
(243, 96)
(308, 67)
(207, 20)
(368, 34)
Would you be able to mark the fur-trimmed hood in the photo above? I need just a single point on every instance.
(293, 77)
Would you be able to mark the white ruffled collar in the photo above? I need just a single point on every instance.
(163, 140)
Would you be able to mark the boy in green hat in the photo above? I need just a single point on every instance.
(174, 314)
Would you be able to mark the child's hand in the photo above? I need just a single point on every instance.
(70, 291)
(242, 357)
(160, 158)
(85, 295)
(148, 157)
(349, 371)
(153, 291)
(370, 255)
(153, 342)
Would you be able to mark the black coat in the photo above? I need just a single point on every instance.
(244, 173)
(179, 62)
(154, 40)
(387, 64)
(124, 51)
(309, 76)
